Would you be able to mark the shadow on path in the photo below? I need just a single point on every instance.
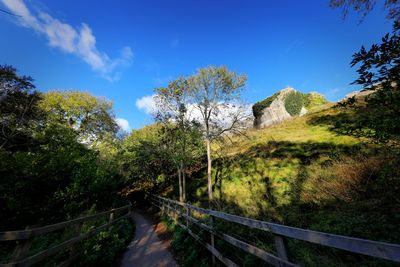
(147, 249)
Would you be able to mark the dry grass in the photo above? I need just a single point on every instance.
(344, 180)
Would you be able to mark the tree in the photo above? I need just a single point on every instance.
(214, 93)
(91, 117)
(46, 175)
(141, 159)
(181, 136)
(379, 71)
(365, 6)
(18, 108)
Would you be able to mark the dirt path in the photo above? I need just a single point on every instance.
(147, 249)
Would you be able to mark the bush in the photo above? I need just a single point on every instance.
(260, 106)
(106, 246)
(294, 101)
(313, 100)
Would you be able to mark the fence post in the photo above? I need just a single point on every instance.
(111, 218)
(280, 247)
(187, 215)
(176, 212)
(212, 238)
(73, 251)
(22, 249)
(168, 212)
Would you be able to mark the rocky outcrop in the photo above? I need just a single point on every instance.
(284, 105)
(275, 113)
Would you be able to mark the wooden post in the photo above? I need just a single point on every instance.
(73, 252)
(212, 239)
(280, 247)
(187, 215)
(111, 218)
(176, 213)
(22, 249)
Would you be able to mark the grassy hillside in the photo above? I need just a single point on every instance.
(303, 173)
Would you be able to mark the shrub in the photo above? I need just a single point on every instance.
(104, 248)
(313, 100)
(260, 106)
(294, 101)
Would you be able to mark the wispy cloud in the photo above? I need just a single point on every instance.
(123, 124)
(78, 41)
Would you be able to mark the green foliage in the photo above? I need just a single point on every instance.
(294, 101)
(312, 100)
(47, 174)
(56, 179)
(302, 174)
(211, 90)
(181, 135)
(379, 69)
(363, 7)
(189, 252)
(18, 109)
(90, 116)
(141, 158)
(105, 248)
(261, 105)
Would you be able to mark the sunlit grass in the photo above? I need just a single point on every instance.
(262, 171)
(304, 173)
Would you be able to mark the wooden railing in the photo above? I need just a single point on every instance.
(25, 237)
(177, 210)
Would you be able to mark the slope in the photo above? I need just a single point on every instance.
(306, 173)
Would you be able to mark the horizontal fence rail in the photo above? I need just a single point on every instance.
(371, 248)
(26, 237)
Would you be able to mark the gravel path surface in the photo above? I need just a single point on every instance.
(147, 249)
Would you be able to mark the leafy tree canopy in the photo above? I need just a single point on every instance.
(18, 109)
(92, 117)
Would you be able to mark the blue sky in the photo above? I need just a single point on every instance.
(122, 50)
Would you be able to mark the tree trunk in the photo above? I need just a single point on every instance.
(180, 185)
(209, 178)
(184, 184)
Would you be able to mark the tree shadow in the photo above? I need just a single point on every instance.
(345, 121)
(363, 217)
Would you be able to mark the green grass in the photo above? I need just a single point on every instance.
(306, 174)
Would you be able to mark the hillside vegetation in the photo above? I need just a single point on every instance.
(294, 101)
(303, 173)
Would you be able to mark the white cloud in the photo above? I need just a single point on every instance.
(78, 41)
(227, 111)
(123, 124)
(147, 104)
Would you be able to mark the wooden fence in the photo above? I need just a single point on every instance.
(177, 210)
(25, 237)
